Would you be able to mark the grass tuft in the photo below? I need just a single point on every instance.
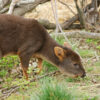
(52, 91)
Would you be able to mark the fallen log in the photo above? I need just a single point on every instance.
(79, 34)
(49, 25)
(69, 22)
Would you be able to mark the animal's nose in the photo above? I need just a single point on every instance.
(83, 75)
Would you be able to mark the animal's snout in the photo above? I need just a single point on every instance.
(83, 75)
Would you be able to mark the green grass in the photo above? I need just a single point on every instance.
(86, 53)
(47, 67)
(52, 91)
(95, 41)
(7, 63)
(49, 89)
(72, 79)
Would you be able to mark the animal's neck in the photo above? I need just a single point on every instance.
(47, 51)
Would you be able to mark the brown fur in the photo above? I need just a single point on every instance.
(27, 38)
(59, 52)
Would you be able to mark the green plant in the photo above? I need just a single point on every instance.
(60, 40)
(94, 98)
(72, 79)
(3, 73)
(47, 67)
(89, 40)
(6, 64)
(98, 47)
(51, 91)
(95, 41)
(88, 98)
(86, 53)
(89, 69)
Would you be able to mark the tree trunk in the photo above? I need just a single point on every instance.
(80, 14)
(69, 22)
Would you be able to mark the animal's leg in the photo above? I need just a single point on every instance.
(39, 64)
(25, 53)
(24, 64)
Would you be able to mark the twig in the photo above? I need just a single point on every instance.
(3, 3)
(7, 89)
(12, 89)
(89, 59)
(96, 74)
(55, 16)
(93, 26)
(57, 23)
(9, 93)
(67, 7)
(60, 28)
(95, 85)
(4, 10)
(12, 5)
(97, 57)
(25, 8)
(39, 77)
(24, 2)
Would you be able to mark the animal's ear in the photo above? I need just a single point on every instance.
(59, 52)
(67, 45)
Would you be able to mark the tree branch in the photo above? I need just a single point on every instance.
(67, 7)
(25, 8)
(12, 5)
(3, 3)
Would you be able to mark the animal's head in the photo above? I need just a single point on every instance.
(69, 62)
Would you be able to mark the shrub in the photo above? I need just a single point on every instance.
(6, 64)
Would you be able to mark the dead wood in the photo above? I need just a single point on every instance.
(80, 34)
(22, 9)
(6, 92)
(49, 25)
(5, 9)
(67, 7)
(3, 3)
(12, 6)
(92, 5)
(80, 14)
(72, 20)
(69, 22)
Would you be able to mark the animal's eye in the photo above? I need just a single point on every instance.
(76, 65)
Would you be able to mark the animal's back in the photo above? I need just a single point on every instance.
(17, 31)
